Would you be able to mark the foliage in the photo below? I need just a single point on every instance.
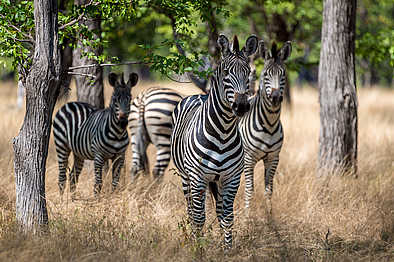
(18, 40)
(17, 31)
(143, 30)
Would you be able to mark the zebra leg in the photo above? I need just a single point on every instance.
(249, 180)
(74, 175)
(98, 169)
(270, 165)
(62, 157)
(229, 192)
(162, 159)
(117, 165)
(139, 160)
(186, 193)
(198, 193)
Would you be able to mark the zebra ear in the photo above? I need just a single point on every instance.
(285, 51)
(224, 45)
(113, 79)
(262, 49)
(133, 79)
(264, 52)
(250, 46)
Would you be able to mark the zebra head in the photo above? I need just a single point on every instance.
(234, 70)
(121, 97)
(274, 72)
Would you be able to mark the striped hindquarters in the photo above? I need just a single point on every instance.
(150, 122)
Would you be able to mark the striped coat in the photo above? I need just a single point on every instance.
(205, 144)
(150, 122)
(94, 134)
(261, 128)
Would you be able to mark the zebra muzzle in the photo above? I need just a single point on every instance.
(122, 115)
(241, 104)
(276, 97)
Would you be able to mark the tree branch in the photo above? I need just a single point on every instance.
(183, 82)
(29, 37)
(108, 64)
(81, 74)
(80, 17)
(72, 22)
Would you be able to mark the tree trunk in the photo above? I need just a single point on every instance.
(88, 90)
(31, 144)
(337, 89)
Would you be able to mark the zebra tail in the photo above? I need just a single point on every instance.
(213, 187)
(142, 137)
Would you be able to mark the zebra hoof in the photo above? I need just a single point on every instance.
(157, 173)
(135, 175)
(61, 189)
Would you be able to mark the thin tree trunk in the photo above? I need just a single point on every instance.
(337, 89)
(88, 90)
(31, 144)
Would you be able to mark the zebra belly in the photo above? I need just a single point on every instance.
(117, 147)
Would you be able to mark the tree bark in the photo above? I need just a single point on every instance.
(31, 144)
(88, 90)
(337, 89)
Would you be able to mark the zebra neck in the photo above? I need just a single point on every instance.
(216, 113)
(116, 126)
(266, 112)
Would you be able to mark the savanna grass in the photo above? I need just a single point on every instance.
(327, 219)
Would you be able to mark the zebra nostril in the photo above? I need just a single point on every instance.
(122, 115)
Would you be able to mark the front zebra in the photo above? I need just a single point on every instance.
(94, 134)
(150, 122)
(205, 144)
(261, 129)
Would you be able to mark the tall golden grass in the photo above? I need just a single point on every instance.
(328, 219)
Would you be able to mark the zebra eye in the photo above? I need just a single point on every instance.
(226, 72)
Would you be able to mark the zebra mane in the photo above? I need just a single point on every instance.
(122, 80)
(235, 45)
(274, 50)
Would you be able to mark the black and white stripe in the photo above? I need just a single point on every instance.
(150, 122)
(205, 144)
(94, 134)
(261, 129)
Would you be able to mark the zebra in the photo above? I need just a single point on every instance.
(94, 134)
(150, 122)
(205, 144)
(260, 128)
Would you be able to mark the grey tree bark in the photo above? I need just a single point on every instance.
(337, 89)
(88, 90)
(31, 144)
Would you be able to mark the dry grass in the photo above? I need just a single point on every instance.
(147, 222)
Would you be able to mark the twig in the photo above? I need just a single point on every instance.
(81, 74)
(109, 64)
(72, 22)
(20, 31)
(79, 17)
